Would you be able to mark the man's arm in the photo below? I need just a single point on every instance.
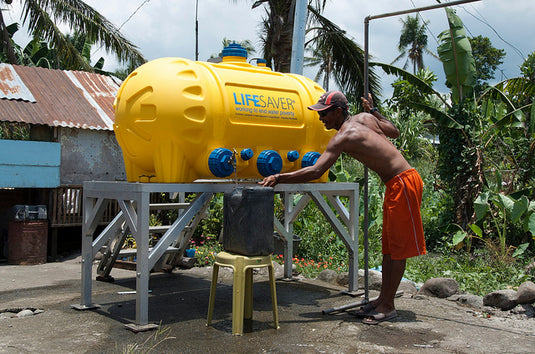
(310, 173)
(386, 126)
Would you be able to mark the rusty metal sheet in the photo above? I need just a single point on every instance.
(11, 85)
(71, 99)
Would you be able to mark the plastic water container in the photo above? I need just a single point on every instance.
(248, 216)
(178, 120)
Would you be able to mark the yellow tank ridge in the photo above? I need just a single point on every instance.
(178, 120)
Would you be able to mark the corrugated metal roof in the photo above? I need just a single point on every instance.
(74, 99)
(11, 85)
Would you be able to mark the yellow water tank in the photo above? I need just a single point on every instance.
(178, 120)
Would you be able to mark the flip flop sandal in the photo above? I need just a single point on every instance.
(378, 317)
(364, 311)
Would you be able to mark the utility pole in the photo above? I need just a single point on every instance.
(196, 30)
(298, 40)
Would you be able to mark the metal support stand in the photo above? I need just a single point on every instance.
(346, 226)
(133, 200)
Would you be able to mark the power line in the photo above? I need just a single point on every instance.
(425, 23)
(133, 13)
(484, 21)
(481, 19)
(125, 21)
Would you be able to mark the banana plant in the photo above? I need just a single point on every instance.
(526, 87)
(455, 52)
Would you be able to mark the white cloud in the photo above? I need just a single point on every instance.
(508, 26)
(167, 28)
(162, 28)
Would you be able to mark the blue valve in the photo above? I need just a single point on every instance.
(219, 162)
(246, 154)
(310, 158)
(292, 155)
(269, 162)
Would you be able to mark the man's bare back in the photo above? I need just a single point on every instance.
(362, 138)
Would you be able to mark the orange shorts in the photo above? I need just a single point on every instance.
(403, 234)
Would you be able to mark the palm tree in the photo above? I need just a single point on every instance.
(414, 38)
(321, 58)
(341, 57)
(41, 16)
(277, 30)
(7, 50)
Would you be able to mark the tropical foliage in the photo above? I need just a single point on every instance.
(38, 53)
(487, 59)
(42, 17)
(486, 145)
(342, 57)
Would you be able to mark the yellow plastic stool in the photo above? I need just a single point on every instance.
(242, 291)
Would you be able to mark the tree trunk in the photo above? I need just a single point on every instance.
(282, 20)
(8, 46)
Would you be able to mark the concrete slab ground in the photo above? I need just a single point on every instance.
(178, 303)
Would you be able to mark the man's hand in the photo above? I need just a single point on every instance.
(367, 103)
(387, 127)
(270, 181)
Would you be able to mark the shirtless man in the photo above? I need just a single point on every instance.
(365, 137)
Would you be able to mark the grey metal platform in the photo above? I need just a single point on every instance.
(133, 199)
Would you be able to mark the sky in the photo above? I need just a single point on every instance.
(163, 28)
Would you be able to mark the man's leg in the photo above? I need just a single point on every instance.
(393, 271)
(385, 278)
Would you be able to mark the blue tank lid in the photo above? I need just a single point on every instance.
(292, 155)
(234, 50)
(269, 163)
(219, 162)
(310, 158)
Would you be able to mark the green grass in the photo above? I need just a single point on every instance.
(477, 274)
